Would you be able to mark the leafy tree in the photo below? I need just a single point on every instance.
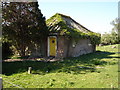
(116, 29)
(114, 36)
(116, 24)
(111, 38)
(23, 24)
(106, 38)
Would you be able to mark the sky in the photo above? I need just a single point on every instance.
(94, 15)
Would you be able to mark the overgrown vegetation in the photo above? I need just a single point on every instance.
(110, 38)
(22, 25)
(95, 70)
(56, 24)
(114, 36)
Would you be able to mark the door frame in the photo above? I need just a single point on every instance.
(48, 51)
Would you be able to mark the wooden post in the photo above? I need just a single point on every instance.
(29, 70)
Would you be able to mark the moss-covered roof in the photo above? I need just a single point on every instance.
(59, 22)
(65, 25)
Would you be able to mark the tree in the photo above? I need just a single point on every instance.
(116, 24)
(106, 39)
(116, 29)
(114, 36)
(23, 24)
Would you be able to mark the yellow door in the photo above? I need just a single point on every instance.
(52, 42)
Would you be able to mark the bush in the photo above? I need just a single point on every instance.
(6, 50)
(111, 38)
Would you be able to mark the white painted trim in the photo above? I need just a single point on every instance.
(49, 46)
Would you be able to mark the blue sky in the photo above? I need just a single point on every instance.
(96, 16)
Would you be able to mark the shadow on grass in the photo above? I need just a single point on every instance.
(79, 65)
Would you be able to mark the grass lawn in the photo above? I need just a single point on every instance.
(95, 70)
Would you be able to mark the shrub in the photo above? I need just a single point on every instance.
(111, 38)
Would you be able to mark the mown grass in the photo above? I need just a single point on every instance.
(95, 70)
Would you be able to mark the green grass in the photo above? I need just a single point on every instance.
(95, 70)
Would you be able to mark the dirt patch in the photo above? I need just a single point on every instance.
(35, 59)
(13, 60)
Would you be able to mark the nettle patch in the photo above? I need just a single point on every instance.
(56, 24)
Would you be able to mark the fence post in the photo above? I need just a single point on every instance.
(29, 70)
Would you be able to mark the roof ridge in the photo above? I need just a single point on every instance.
(63, 15)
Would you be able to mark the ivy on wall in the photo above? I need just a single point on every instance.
(56, 24)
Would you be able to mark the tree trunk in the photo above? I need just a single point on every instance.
(22, 50)
(43, 47)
